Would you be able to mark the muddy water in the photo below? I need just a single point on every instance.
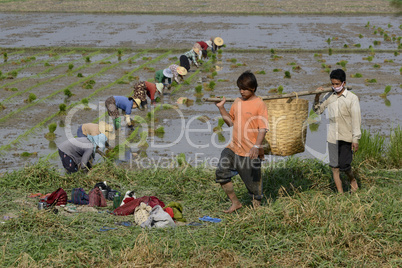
(184, 132)
(143, 31)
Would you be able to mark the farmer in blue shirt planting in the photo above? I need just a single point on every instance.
(114, 103)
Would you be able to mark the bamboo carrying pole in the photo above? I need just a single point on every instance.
(280, 96)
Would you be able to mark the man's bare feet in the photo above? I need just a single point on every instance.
(233, 208)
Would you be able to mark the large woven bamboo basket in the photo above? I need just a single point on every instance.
(287, 128)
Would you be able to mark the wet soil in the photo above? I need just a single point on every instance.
(184, 131)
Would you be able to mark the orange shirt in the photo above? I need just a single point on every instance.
(248, 117)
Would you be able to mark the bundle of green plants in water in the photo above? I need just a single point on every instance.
(356, 75)
(52, 128)
(68, 93)
(88, 84)
(342, 63)
(5, 56)
(87, 59)
(80, 75)
(287, 75)
(373, 80)
(62, 109)
(160, 130)
(198, 90)
(221, 122)
(280, 89)
(85, 102)
(330, 51)
(276, 70)
(70, 66)
(31, 98)
(386, 91)
(12, 74)
(261, 72)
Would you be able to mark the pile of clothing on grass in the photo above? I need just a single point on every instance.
(148, 211)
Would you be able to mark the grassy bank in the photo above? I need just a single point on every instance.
(302, 221)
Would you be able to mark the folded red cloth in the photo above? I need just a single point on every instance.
(128, 199)
(169, 211)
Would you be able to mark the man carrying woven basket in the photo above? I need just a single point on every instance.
(344, 127)
(249, 118)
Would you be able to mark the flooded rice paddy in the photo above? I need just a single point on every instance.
(47, 74)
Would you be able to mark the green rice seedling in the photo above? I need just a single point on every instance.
(323, 65)
(220, 51)
(287, 75)
(291, 63)
(261, 72)
(345, 45)
(330, 51)
(313, 127)
(80, 75)
(329, 41)
(400, 46)
(214, 73)
(52, 128)
(356, 75)
(70, 66)
(68, 93)
(12, 74)
(167, 106)
(389, 25)
(375, 32)
(119, 52)
(361, 36)
(223, 80)
(123, 82)
(11, 89)
(272, 51)
(357, 45)
(31, 98)
(105, 62)
(186, 82)
(87, 59)
(296, 68)
(387, 102)
(146, 58)
(342, 63)
(221, 137)
(276, 57)
(218, 128)
(386, 61)
(61, 123)
(373, 80)
(88, 84)
(317, 55)
(234, 66)
(160, 130)
(273, 90)
(47, 64)
(367, 24)
(62, 108)
(327, 70)
(26, 154)
(396, 53)
(386, 91)
(198, 89)
(213, 57)
(173, 58)
(376, 66)
(369, 58)
(376, 42)
(280, 89)
(5, 57)
(277, 70)
(212, 85)
(233, 60)
(85, 101)
(400, 71)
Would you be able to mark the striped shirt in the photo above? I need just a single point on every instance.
(191, 55)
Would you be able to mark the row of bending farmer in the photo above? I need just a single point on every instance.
(249, 118)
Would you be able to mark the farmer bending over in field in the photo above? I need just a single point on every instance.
(249, 118)
(344, 127)
(215, 43)
(188, 57)
(78, 153)
(95, 129)
(144, 88)
(114, 103)
(173, 70)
